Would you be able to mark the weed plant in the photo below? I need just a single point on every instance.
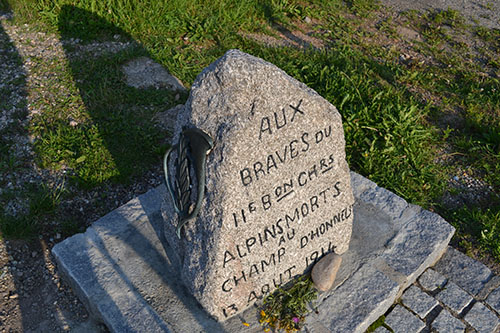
(286, 308)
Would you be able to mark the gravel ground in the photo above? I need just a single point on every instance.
(32, 296)
(484, 12)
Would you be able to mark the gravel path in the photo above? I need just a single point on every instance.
(484, 12)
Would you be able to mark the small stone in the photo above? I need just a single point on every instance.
(418, 301)
(381, 329)
(445, 323)
(144, 73)
(324, 271)
(58, 236)
(13, 296)
(33, 254)
(402, 320)
(454, 297)
(307, 19)
(482, 319)
(73, 123)
(431, 280)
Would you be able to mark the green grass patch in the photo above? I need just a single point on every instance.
(482, 224)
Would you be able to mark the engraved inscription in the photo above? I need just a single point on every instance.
(257, 262)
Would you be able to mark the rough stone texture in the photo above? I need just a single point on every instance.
(357, 303)
(324, 271)
(407, 255)
(418, 301)
(402, 320)
(279, 160)
(106, 289)
(404, 228)
(482, 319)
(131, 268)
(129, 280)
(432, 280)
(446, 323)
(493, 300)
(466, 272)
(454, 297)
(143, 73)
(489, 287)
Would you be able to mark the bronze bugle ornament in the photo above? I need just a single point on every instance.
(192, 149)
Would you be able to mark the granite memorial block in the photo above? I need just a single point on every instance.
(277, 192)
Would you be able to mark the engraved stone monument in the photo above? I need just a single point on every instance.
(277, 193)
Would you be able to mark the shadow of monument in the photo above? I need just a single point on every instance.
(121, 115)
(80, 24)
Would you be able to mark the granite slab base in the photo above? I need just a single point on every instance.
(124, 272)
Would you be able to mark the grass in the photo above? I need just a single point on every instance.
(415, 112)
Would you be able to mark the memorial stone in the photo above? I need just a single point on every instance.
(277, 185)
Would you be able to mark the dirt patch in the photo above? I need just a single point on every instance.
(279, 36)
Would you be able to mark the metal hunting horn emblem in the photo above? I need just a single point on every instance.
(192, 150)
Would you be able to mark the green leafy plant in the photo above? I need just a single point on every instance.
(286, 308)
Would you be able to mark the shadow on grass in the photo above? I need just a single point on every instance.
(119, 140)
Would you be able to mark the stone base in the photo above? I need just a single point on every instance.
(121, 270)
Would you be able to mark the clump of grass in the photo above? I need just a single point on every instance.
(286, 308)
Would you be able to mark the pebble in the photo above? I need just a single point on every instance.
(324, 271)
(33, 254)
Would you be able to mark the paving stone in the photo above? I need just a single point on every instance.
(454, 297)
(491, 285)
(418, 301)
(431, 280)
(482, 318)
(407, 253)
(466, 272)
(446, 323)
(381, 329)
(493, 300)
(348, 311)
(402, 320)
